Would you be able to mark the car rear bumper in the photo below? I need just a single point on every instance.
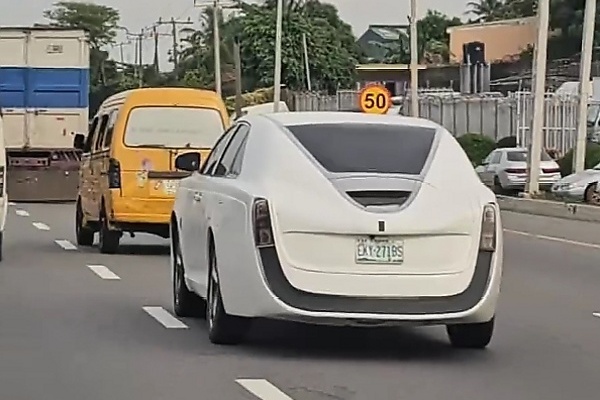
(141, 210)
(514, 182)
(269, 294)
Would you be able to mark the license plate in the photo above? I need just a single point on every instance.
(379, 251)
(165, 187)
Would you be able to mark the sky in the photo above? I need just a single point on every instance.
(135, 16)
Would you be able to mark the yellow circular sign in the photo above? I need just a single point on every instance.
(375, 99)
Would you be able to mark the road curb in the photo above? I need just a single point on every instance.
(548, 208)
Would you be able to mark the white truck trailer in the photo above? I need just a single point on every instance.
(44, 96)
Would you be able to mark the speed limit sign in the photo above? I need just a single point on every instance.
(375, 99)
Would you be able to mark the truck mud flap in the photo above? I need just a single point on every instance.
(42, 175)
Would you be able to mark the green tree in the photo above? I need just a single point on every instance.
(433, 42)
(520, 8)
(487, 10)
(566, 21)
(101, 22)
(331, 45)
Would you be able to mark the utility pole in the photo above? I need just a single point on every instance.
(156, 35)
(238, 77)
(121, 51)
(414, 60)
(585, 71)
(306, 62)
(174, 24)
(539, 99)
(139, 40)
(278, 37)
(217, 7)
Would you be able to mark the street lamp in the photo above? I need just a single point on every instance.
(277, 78)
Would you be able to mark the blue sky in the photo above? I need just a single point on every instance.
(136, 14)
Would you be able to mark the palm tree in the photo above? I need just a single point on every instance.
(487, 10)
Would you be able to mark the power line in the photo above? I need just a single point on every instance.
(174, 24)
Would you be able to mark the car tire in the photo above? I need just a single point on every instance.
(109, 239)
(471, 336)
(222, 328)
(589, 196)
(185, 302)
(83, 234)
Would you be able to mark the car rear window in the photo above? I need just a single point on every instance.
(174, 127)
(376, 148)
(521, 156)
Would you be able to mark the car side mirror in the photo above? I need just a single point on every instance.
(188, 162)
(79, 141)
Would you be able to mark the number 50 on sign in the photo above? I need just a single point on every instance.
(375, 99)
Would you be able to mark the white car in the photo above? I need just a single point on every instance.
(340, 219)
(506, 169)
(578, 186)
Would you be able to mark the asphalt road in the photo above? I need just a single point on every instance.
(69, 330)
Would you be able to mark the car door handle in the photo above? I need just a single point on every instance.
(197, 196)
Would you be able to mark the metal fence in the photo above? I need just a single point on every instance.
(492, 114)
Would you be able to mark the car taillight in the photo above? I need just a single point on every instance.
(487, 241)
(263, 234)
(114, 174)
(515, 171)
(2, 178)
(551, 170)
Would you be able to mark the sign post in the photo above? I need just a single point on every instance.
(375, 99)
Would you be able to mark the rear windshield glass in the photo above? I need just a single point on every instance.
(176, 127)
(376, 148)
(516, 156)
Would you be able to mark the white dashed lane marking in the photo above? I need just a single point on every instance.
(22, 213)
(263, 389)
(104, 273)
(596, 314)
(41, 226)
(164, 318)
(66, 245)
(555, 239)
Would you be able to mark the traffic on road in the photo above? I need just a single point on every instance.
(330, 247)
(78, 323)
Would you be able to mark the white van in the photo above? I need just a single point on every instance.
(3, 196)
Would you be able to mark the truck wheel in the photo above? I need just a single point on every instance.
(85, 236)
(109, 239)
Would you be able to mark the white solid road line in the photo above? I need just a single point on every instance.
(22, 213)
(554, 239)
(104, 273)
(10, 203)
(66, 245)
(165, 318)
(263, 389)
(41, 226)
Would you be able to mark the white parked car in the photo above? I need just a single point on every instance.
(336, 218)
(578, 186)
(506, 169)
